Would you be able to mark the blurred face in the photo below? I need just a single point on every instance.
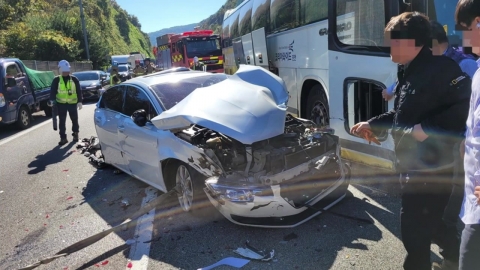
(471, 37)
(402, 51)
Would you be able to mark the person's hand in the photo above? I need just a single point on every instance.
(418, 133)
(50, 103)
(79, 106)
(477, 194)
(358, 127)
(386, 96)
(462, 148)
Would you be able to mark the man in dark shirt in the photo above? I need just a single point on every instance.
(66, 93)
(430, 109)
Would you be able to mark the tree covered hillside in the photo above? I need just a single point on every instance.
(214, 22)
(51, 30)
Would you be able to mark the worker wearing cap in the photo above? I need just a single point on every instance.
(67, 95)
(114, 77)
(148, 66)
(138, 70)
(197, 65)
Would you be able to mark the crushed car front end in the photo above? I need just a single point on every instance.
(285, 180)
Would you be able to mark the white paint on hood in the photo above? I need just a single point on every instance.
(249, 106)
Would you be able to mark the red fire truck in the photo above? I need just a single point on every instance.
(178, 50)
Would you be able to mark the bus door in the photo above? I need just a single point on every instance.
(359, 69)
(248, 49)
(259, 42)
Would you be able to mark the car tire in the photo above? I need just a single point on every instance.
(24, 119)
(317, 106)
(191, 182)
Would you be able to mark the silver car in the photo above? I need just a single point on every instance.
(227, 137)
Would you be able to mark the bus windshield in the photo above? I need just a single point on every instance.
(202, 47)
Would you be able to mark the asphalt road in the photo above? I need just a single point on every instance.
(51, 197)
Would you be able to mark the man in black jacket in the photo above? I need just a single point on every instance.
(430, 110)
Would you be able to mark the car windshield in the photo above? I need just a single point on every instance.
(87, 76)
(122, 68)
(200, 47)
(171, 93)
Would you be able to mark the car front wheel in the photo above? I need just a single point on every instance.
(184, 182)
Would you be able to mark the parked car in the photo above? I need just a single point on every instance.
(228, 137)
(23, 91)
(125, 71)
(93, 83)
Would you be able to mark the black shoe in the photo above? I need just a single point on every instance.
(75, 136)
(62, 142)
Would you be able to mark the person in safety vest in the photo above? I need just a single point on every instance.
(148, 66)
(138, 70)
(197, 65)
(114, 76)
(67, 95)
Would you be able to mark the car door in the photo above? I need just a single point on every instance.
(108, 121)
(140, 143)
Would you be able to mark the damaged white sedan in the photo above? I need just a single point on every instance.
(228, 137)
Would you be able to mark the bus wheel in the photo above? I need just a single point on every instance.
(317, 106)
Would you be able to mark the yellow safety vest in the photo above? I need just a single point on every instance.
(67, 92)
(112, 83)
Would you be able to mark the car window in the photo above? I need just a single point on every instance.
(13, 71)
(112, 99)
(170, 93)
(136, 99)
(87, 76)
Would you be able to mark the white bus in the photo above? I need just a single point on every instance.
(332, 57)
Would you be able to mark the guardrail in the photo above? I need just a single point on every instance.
(53, 65)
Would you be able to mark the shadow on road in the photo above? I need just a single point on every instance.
(56, 155)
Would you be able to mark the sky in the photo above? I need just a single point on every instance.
(158, 14)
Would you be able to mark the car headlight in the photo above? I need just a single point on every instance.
(238, 194)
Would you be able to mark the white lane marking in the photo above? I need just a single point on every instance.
(140, 251)
(20, 134)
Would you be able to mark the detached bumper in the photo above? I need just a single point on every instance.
(289, 203)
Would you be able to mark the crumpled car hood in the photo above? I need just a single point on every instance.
(248, 106)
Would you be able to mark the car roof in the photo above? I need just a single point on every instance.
(159, 78)
(87, 71)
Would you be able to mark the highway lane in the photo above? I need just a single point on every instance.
(50, 197)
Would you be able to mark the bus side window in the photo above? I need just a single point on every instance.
(245, 23)
(284, 15)
(313, 11)
(261, 15)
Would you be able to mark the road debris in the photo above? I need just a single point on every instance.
(230, 261)
(255, 254)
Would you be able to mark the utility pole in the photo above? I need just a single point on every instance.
(84, 29)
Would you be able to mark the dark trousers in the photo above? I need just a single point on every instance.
(62, 117)
(470, 248)
(424, 199)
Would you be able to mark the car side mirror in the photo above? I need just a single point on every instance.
(139, 117)
(11, 82)
(103, 78)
